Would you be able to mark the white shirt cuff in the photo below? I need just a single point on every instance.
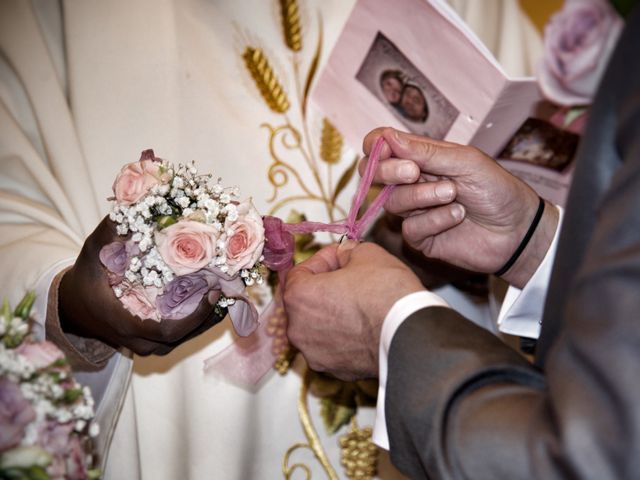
(400, 311)
(521, 311)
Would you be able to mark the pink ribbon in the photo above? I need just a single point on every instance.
(248, 359)
(351, 227)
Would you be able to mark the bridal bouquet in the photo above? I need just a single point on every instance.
(186, 236)
(45, 415)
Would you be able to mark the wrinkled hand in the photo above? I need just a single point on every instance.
(89, 308)
(336, 302)
(460, 206)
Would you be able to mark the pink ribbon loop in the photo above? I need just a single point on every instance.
(353, 228)
(248, 359)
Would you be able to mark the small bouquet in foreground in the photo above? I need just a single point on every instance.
(46, 417)
(186, 237)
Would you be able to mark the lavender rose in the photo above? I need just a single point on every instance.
(115, 257)
(15, 414)
(278, 245)
(182, 295)
(578, 41)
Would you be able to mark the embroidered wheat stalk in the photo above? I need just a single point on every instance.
(291, 24)
(330, 143)
(265, 79)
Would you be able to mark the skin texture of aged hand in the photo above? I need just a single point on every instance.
(89, 308)
(460, 206)
(336, 302)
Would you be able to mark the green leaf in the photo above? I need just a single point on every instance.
(335, 415)
(37, 473)
(94, 474)
(166, 221)
(6, 310)
(72, 395)
(344, 180)
(24, 307)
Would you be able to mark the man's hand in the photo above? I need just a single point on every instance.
(460, 206)
(89, 308)
(336, 302)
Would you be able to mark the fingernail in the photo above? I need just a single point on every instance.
(400, 138)
(406, 171)
(457, 212)
(444, 191)
(347, 245)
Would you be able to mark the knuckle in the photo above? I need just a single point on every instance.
(409, 230)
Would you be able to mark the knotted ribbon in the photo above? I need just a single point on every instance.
(248, 359)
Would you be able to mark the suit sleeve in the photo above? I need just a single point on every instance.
(460, 404)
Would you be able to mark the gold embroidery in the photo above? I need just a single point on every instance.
(331, 143)
(288, 142)
(266, 80)
(359, 453)
(312, 438)
(291, 24)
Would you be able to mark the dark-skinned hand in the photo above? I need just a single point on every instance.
(89, 308)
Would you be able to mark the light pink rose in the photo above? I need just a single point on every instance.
(187, 246)
(141, 301)
(578, 41)
(40, 354)
(136, 179)
(245, 238)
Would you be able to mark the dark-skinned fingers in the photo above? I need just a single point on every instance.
(433, 222)
(211, 319)
(407, 198)
(142, 347)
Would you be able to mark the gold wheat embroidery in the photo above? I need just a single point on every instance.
(330, 143)
(291, 24)
(265, 79)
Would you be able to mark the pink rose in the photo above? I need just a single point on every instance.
(41, 354)
(136, 179)
(141, 301)
(245, 238)
(187, 246)
(578, 42)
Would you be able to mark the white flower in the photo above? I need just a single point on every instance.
(94, 430)
(178, 182)
(184, 202)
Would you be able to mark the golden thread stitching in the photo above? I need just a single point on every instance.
(291, 24)
(330, 143)
(265, 79)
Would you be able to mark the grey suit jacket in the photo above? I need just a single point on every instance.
(460, 404)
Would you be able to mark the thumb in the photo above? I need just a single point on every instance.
(344, 250)
(325, 260)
